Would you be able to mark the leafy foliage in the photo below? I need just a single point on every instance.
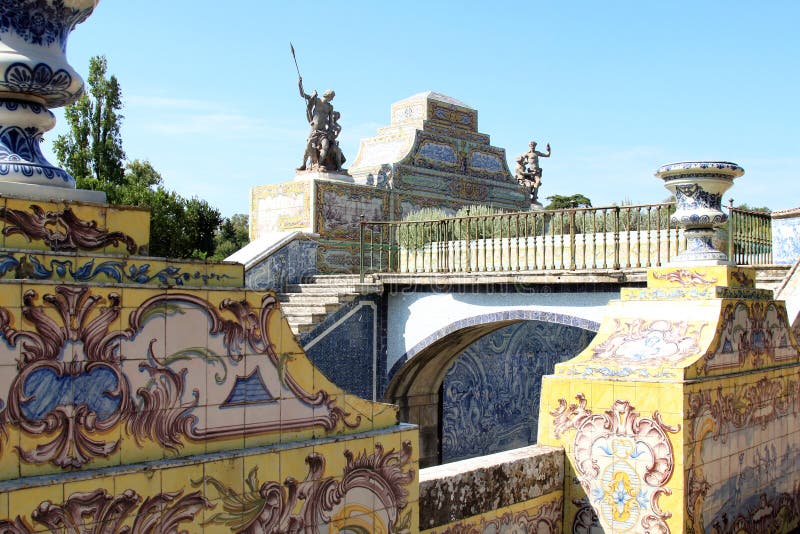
(92, 153)
(561, 202)
(232, 235)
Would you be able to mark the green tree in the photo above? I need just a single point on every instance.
(560, 202)
(233, 234)
(92, 152)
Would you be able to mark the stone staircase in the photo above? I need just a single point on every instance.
(308, 304)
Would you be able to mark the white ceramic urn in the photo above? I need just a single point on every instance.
(698, 187)
(35, 76)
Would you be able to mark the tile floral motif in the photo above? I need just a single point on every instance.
(623, 462)
(163, 512)
(69, 398)
(61, 230)
(297, 506)
(651, 343)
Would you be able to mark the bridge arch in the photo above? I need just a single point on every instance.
(417, 379)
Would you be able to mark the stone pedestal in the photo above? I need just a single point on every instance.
(317, 175)
(683, 414)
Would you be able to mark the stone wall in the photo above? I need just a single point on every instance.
(513, 491)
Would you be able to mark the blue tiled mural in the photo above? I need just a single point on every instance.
(288, 265)
(786, 237)
(348, 350)
(490, 396)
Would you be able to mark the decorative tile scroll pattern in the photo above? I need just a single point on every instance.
(61, 230)
(623, 462)
(361, 486)
(85, 368)
(165, 511)
(140, 271)
(651, 343)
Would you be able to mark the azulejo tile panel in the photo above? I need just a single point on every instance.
(490, 395)
(118, 270)
(695, 411)
(786, 238)
(51, 226)
(102, 377)
(364, 485)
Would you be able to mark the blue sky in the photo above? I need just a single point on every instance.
(617, 88)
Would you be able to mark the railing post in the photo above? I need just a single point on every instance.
(731, 230)
(361, 249)
(572, 247)
(616, 238)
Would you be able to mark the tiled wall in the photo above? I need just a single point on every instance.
(364, 484)
(786, 236)
(683, 414)
(171, 403)
(490, 396)
(349, 347)
(288, 265)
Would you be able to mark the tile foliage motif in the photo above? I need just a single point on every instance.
(119, 270)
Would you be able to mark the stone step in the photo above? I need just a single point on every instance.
(338, 279)
(310, 299)
(302, 309)
(335, 289)
(304, 317)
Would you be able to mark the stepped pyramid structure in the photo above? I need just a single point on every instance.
(430, 155)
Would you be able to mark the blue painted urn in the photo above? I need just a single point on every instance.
(35, 76)
(698, 187)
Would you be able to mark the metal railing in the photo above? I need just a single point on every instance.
(749, 236)
(615, 237)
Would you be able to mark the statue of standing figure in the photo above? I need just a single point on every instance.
(322, 145)
(528, 172)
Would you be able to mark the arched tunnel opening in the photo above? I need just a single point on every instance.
(475, 390)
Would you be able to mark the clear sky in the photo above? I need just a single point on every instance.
(617, 88)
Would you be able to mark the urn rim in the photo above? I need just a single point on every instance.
(718, 168)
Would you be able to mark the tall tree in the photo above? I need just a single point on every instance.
(92, 152)
(232, 235)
